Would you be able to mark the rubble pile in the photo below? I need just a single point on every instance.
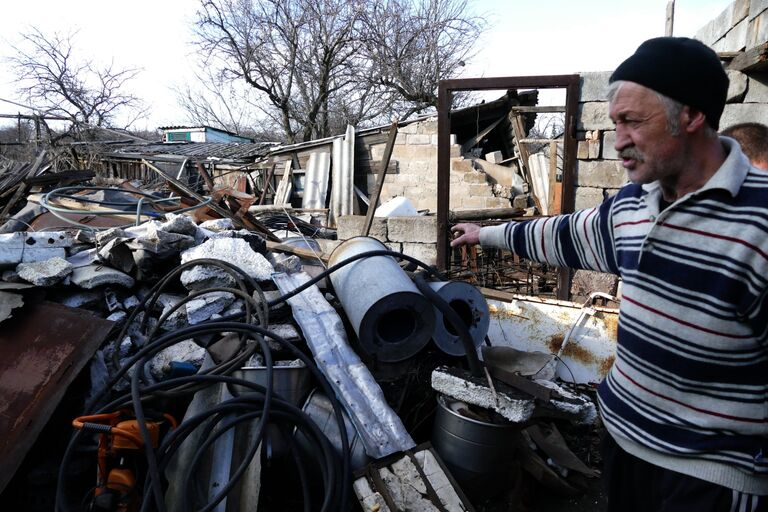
(211, 367)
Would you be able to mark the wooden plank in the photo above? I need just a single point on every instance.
(303, 253)
(669, 26)
(374, 201)
(553, 108)
(754, 59)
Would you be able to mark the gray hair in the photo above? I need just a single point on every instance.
(673, 109)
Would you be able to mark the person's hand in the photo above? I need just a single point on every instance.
(469, 234)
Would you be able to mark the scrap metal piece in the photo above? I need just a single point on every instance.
(381, 430)
(43, 350)
(391, 318)
(471, 307)
(316, 180)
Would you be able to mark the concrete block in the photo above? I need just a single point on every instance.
(495, 157)
(737, 86)
(420, 229)
(735, 113)
(757, 90)
(588, 197)
(594, 116)
(741, 10)
(600, 173)
(423, 252)
(474, 177)
(582, 150)
(757, 32)
(593, 86)
(45, 273)
(392, 190)
(461, 165)
(408, 128)
(350, 226)
(480, 190)
(497, 202)
(91, 276)
(416, 167)
(736, 38)
(723, 22)
(455, 149)
(609, 143)
(757, 7)
(521, 201)
(418, 139)
(428, 127)
(473, 202)
(203, 307)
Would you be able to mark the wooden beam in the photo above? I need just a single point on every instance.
(670, 22)
(374, 201)
(754, 59)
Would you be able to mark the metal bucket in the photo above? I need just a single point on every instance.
(478, 454)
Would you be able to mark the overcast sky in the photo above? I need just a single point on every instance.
(524, 37)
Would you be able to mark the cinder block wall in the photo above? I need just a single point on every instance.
(742, 25)
(415, 177)
(413, 236)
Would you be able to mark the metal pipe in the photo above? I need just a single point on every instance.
(392, 320)
(470, 305)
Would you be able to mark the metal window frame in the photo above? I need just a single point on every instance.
(445, 94)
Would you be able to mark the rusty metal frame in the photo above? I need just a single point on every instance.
(445, 96)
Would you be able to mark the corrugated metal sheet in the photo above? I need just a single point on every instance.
(316, 180)
(343, 176)
(234, 151)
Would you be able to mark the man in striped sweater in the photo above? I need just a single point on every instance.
(686, 402)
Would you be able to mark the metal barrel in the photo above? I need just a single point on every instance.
(478, 454)
(391, 318)
(472, 308)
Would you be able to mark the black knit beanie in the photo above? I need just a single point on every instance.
(683, 69)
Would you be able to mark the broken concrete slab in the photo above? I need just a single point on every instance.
(9, 302)
(236, 251)
(45, 273)
(218, 225)
(86, 300)
(91, 276)
(178, 223)
(33, 246)
(513, 405)
(202, 308)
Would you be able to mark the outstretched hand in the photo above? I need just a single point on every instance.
(468, 234)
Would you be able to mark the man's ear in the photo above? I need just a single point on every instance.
(692, 120)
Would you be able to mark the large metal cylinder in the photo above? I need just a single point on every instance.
(391, 318)
(472, 308)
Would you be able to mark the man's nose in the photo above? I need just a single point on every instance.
(623, 140)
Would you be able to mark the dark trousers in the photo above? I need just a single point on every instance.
(634, 485)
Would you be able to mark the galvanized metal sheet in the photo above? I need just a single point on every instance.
(540, 325)
(44, 347)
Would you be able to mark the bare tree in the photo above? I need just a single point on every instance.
(413, 44)
(291, 51)
(57, 83)
(319, 64)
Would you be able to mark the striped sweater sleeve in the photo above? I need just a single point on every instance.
(581, 240)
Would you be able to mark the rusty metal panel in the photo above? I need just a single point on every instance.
(43, 349)
(532, 324)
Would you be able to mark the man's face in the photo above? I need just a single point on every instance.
(649, 152)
